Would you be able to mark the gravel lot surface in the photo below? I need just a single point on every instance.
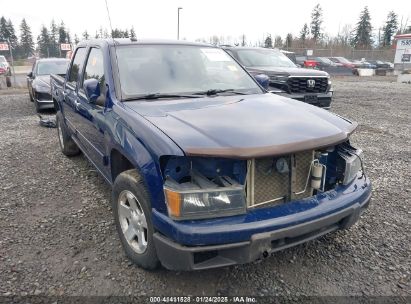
(58, 235)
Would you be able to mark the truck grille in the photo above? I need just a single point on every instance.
(305, 84)
(267, 185)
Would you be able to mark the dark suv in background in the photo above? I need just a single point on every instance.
(307, 85)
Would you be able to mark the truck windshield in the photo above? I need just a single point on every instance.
(179, 69)
(52, 67)
(264, 58)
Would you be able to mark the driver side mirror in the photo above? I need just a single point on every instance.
(263, 80)
(30, 75)
(92, 89)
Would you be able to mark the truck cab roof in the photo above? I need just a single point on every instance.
(130, 41)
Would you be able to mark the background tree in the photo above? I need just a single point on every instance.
(243, 40)
(76, 39)
(316, 22)
(64, 35)
(54, 50)
(289, 40)
(304, 33)
(43, 42)
(389, 29)
(268, 42)
(132, 33)
(26, 39)
(278, 42)
(363, 32)
(7, 32)
(86, 36)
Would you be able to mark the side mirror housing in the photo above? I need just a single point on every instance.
(30, 75)
(263, 80)
(92, 89)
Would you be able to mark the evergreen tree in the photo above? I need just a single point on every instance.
(26, 39)
(316, 22)
(132, 33)
(278, 42)
(268, 42)
(54, 50)
(289, 40)
(4, 34)
(63, 36)
(7, 32)
(304, 33)
(43, 42)
(243, 42)
(389, 29)
(12, 34)
(76, 39)
(363, 32)
(86, 36)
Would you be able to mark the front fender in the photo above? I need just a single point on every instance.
(131, 148)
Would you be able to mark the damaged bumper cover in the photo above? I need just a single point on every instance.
(195, 245)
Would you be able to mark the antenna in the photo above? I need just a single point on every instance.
(115, 49)
(109, 20)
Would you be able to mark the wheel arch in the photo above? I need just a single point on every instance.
(133, 155)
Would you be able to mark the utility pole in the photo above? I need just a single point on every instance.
(12, 62)
(178, 22)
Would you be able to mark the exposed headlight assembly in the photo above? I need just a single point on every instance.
(203, 188)
(208, 203)
(352, 162)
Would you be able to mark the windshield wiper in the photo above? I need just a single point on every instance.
(152, 96)
(217, 91)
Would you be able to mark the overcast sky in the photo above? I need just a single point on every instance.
(200, 18)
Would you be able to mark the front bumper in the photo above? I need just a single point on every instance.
(323, 100)
(44, 100)
(219, 242)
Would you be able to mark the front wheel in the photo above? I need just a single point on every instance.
(132, 213)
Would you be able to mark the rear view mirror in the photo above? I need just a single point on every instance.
(263, 80)
(30, 75)
(92, 89)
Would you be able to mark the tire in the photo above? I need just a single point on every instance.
(8, 81)
(37, 107)
(67, 144)
(131, 195)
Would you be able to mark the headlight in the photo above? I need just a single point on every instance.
(205, 204)
(197, 187)
(281, 79)
(352, 162)
(42, 88)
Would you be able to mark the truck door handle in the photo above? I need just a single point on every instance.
(76, 104)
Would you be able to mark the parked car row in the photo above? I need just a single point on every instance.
(331, 63)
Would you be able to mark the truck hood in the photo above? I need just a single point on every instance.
(244, 126)
(43, 80)
(270, 71)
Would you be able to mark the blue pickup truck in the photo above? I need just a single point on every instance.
(207, 169)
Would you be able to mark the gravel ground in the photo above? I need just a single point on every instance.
(58, 235)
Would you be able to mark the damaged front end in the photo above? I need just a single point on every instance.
(211, 187)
